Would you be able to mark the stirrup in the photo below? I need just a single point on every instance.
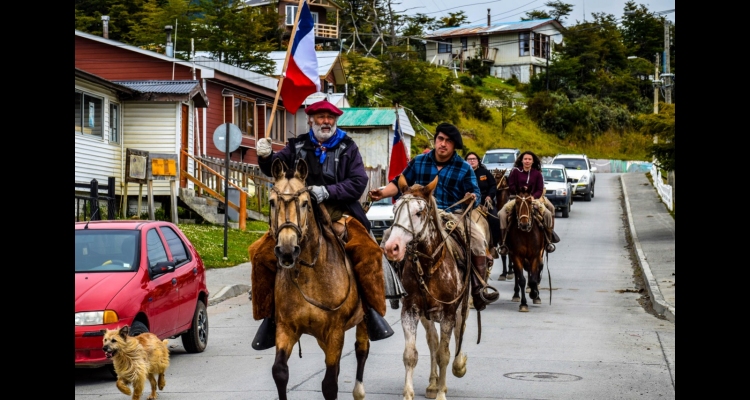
(265, 338)
(550, 248)
(490, 297)
(377, 326)
(503, 249)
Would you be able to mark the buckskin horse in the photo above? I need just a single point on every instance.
(526, 244)
(502, 196)
(437, 288)
(315, 291)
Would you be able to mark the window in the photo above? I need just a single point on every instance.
(445, 47)
(114, 122)
(244, 115)
(89, 115)
(523, 44)
(277, 129)
(464, 43)
(540, 45)
(176, 246)
(291, 13)
(156, 251)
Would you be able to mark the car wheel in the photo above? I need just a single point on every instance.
(195, 339)
(566, 211)
(588, 196)
(592, 190)
(137, 328)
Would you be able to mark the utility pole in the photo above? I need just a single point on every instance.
(656, 85)
(667, 74)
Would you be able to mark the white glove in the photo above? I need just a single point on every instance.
(320, 193)
(263, 147)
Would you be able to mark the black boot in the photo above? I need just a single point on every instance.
(479, 294)
(265, 338)
(503, 247)
(377, 327)
(552, 238)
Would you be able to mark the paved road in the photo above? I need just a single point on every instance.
(594, 341)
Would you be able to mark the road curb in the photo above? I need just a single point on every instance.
(227, 292)
(660, 305)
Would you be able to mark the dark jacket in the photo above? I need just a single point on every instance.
(533, 179)
(486, 182)
(343, 176)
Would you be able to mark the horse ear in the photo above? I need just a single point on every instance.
(402, 185)
(431, 186)
(302, 169)
(277, 169)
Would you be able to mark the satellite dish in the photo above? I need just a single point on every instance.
(235, 137)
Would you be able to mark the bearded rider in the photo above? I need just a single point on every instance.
(336, 181)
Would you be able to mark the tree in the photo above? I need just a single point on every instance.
(642, 31)
(155, 15)
(88, 17)
(662, 127)
(559, 10)
(535, 14)
(453, 19)
(507, 111)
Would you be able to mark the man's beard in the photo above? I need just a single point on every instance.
(320, 135)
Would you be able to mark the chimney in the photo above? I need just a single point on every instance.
(488, 17)
(170, 48)
(105, 30)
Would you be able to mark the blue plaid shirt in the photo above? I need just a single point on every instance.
(454, 180)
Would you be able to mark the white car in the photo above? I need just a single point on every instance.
(580, 170)
(380, 215)
(558, 187)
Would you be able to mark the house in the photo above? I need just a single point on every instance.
(330, 68)
(326, 25)
(520, 48)
(372, 129)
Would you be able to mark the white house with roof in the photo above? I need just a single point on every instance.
(519, 48)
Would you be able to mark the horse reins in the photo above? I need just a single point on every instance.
(300, 236)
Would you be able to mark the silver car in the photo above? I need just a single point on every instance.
(500, 159)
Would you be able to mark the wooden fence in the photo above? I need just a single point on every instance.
(88, 205)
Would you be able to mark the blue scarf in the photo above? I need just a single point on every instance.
(322, 148)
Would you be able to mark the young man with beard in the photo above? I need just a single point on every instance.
(336, 180)
(455, 180)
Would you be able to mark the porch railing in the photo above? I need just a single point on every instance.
(88, 199)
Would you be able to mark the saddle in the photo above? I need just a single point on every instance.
(456, 242)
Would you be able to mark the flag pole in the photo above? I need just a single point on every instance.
(283, 69)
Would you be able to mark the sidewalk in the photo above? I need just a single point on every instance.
(651, 227)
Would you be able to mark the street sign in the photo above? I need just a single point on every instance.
(235, 137)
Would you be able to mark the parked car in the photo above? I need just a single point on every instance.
(558, 187)
(500, 159)
(145, 274)
(380, 215)
(580, 170)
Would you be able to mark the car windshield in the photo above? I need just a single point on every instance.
(572, 163)
(386, 201)
(106, 250)
(553, 175)
(498, 158)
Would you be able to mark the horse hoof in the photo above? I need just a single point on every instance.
(459, 366)
(537, 301)
(501, 277)
(528, 290)
(431, 393)
(516, 299)
(523, 309)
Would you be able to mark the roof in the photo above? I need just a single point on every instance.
(205, 71)
(361, 117)
(267, 82)
(327, 63)
(181, 90)
(104, 82)
(498, 27)
(323, 3)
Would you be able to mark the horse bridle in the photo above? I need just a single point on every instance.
(524, 207)
(276, 228)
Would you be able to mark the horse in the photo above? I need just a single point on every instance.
(502, 196)
(526, 246)
(437, 288)
(315, 291)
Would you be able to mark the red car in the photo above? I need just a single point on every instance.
(145, 274)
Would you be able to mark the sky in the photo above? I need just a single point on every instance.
(514, 10)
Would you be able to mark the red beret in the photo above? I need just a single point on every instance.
(323, 105)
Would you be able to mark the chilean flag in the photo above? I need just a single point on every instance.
(398, 154)
(301, 76)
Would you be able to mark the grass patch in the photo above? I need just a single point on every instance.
(209, 242)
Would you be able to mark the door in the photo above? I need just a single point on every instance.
(164, 295)
(184, 145)
(485, 43)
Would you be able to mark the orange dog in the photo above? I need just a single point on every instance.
(136, 359)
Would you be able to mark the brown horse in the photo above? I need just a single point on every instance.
(502, 196)
(437, 287)
(315, 290)
(526, 244)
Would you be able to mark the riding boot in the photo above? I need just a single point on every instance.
(503, 247)
(265, 338)
(552, 238)
(479, 294)
(377, 327)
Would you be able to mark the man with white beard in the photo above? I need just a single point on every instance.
(336, 179)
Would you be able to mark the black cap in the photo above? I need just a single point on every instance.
(452, 133)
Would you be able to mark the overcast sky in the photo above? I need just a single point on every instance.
(513, 10)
